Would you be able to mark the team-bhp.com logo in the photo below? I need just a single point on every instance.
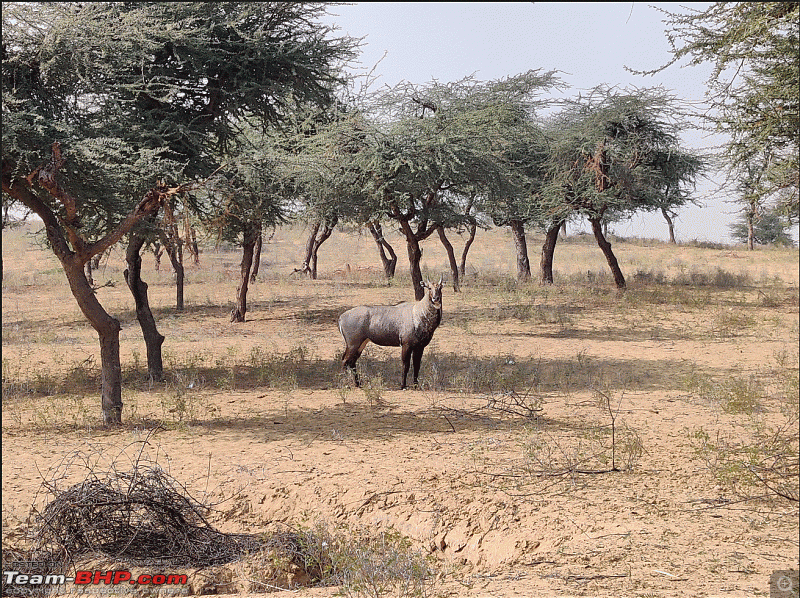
(87, 578)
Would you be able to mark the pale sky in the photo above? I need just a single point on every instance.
(590, 43)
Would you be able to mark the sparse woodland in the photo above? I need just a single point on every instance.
(576, 419)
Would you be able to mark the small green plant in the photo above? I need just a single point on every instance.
(79, 412)
(136, 361)
(345, 380)
(182, 402)
(373, 388)
(731, 323)
(230, 368)
(275, 370)
(734, 394)
(367, 565)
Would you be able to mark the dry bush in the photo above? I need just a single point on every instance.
(594, 449)
(760, 461)
(369, 565)
(139, 515)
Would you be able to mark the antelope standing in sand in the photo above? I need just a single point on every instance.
(409, 325)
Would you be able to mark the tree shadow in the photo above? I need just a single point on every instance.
(440, 372)
(353, 421)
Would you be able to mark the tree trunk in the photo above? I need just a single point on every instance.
(751, 232)
(414, 257)
(179, 276)
(158, 251)
(523, 263)
(389, 263)
(306, 267)
(315, 240)
(87, 272)
(451, 256)
(564, 229)
(670, 224)
(93, 265)
(108, 329)
(190, 237)
(462, 268)
(319, 239)
(548, 250)
(251, 233)
(172, 243)
(605, 246)
(152, 338)
(111, 377)
(256, 259)
(412, 245)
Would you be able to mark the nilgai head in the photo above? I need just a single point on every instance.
(434, 291)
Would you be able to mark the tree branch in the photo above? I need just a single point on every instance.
(19, 189)
(150, 204)
(46, 176)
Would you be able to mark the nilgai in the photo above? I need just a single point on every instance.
(409, 325)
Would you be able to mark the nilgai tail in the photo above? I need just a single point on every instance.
(409, 325)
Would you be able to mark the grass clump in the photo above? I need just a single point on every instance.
(765, 465)
(370, 566)
(373, 387)
(734, 394)
(760, 461)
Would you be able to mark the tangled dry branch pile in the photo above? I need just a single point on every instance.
(142, 515)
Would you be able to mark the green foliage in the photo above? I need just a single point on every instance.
(615, 152)
(140, 91)
(420, 152)
(451, 140)
(733, 394)
(753, 89)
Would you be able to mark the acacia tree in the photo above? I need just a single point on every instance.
(753, 88)
(320, 175)
(751, 195)
(327, 151)
(769, 226)
(243, 198)
(615, 153)
(433, 147)
(675, 172)
(101, 100)
(519, 208)
(520, 143)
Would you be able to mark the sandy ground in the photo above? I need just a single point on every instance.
(448, 466)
